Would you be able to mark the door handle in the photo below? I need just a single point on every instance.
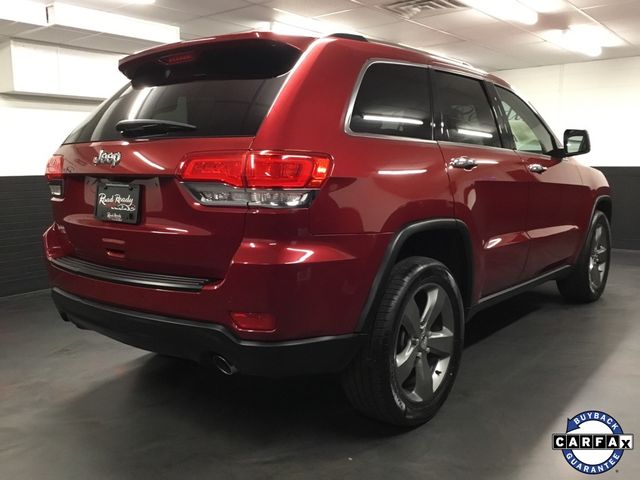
(537, 168)
(463, 162)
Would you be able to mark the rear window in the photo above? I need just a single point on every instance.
(225, 93)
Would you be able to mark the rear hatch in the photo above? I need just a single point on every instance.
(121, 204)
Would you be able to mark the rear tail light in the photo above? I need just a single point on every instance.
(286, 170)
(54, 174)
(266, 178)
(225, 167)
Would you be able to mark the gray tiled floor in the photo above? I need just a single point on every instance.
(75, 405)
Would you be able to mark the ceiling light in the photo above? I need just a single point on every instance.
(142, 2)
(23, 11)
(574, 41)
(98, 21)
(509, 10)
(545, 6)
(385, 118)
(599, 34)
(474, 133)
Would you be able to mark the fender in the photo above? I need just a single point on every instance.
(391, 255)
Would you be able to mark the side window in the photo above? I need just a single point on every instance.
(529, 134)
(466, 115)
(393, 100)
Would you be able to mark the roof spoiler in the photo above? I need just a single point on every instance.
(181, 52)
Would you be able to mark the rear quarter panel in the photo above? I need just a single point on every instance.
(309, 114)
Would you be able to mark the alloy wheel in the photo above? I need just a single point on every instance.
(424, 343)
(598, 258)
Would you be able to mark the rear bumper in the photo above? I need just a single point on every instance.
(314, 287)
(201, 341)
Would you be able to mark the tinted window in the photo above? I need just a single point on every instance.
(224, 90)
(466, 115)
(393, 100)
(529, 134)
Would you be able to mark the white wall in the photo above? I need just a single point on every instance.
(44, 95)
(31, 129)
(602, 96)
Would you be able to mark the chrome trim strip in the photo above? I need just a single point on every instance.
(129, 277)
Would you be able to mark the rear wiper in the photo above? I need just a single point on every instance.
(141, 127)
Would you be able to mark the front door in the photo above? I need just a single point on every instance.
(555, 189)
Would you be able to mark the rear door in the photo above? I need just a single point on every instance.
(123, 204)
(488, 181)
(555, 188)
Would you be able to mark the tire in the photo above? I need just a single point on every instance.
(588, 278)
(405, 371)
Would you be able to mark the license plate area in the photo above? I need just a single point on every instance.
(117, 202)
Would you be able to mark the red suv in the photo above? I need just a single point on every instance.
(278, 205)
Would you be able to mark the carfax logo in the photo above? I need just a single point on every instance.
(593, 443)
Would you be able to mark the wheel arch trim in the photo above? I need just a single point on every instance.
(598, 200)
(395, 246)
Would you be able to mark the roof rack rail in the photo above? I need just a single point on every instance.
(349, 36)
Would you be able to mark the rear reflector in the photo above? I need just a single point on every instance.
(54, 167)
(253, 322)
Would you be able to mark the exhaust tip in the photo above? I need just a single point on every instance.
(222, 364)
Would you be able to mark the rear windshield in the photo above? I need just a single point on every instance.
(220, 95)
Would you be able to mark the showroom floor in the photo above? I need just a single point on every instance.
(75, 405)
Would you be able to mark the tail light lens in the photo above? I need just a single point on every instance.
(225, 167)
(54, 167)
(54, 174)
(286, 170)
(272, 179)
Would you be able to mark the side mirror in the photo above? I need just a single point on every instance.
(576, 142)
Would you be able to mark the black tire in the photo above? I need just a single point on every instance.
(584, 284)
(378, 382)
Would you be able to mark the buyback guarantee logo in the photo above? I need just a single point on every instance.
(593, 443)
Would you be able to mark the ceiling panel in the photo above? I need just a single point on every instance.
(361, 17)
(249, 17)
(201, 7)
(593, 3)
(457, 20)
(464, 32)
(501, 34)
(630, 12)
(312, 8)
(53, 34)
(10, 29)
(409, 33)
(157, 14)
(111, 43)
(478, 55)
(206, 27)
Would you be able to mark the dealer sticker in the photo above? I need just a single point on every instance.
(593, 442)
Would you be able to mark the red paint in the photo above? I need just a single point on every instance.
(312, 269)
